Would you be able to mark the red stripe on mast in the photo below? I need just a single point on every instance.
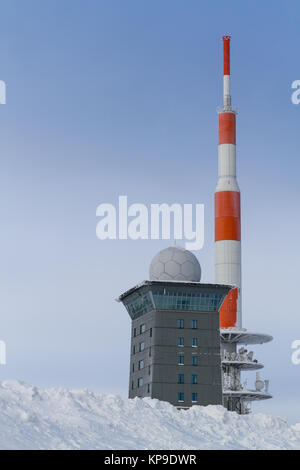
(226, 54)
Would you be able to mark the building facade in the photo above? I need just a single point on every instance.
(175, 341)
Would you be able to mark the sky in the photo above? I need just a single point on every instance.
(110, 98)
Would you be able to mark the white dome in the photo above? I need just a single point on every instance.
(175, 264)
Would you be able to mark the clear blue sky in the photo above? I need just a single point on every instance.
(112, 97)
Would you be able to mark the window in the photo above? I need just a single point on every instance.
(133, 367)
(194, 360)
(180, 379)
(194, 379)
(133, 349)
(180, 323)
(194, 324)
(140, 381)
(194, 342)
(150, 333)
(194, 397)
(150, 352)
(142, 346)
(141, 365)
(180, 341)
(142, 328)
(139, 306)
(180, 396)
(132, 385)
(149, 370)
(148, 388)
(180, 360)
(134, 332)
(168, 300)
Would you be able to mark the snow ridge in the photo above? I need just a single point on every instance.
(57, 418)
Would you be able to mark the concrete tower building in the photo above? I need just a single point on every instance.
(175, 334)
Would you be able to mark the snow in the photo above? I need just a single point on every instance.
(57, 418)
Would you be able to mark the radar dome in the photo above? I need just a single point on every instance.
(175, 264)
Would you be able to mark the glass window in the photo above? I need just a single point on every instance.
(142, 328)
(133, 349)
(180, 341)
(138, 306)
(194, 396)
(134, 332)
(187, 301)
(194, 342)
(142, 346)
(132, 384)
(194, 379)
(150, 332)
(180, 378)
(150, 352)
(194, 324)
(141, 364)
(180, 323)
(149, 370)
(194, 360)
(180, 396)
(181, 360)
(140, 381)
(148, 388)
(133, 367)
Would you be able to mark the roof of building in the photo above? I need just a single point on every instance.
(224, 288)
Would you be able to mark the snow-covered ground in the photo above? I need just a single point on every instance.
(56, 418)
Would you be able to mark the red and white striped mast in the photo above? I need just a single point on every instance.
(236, 396)
(227, 206)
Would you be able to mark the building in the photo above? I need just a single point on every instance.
(175, 335)
(188, 342)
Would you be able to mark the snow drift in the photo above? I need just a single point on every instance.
(56, 418)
